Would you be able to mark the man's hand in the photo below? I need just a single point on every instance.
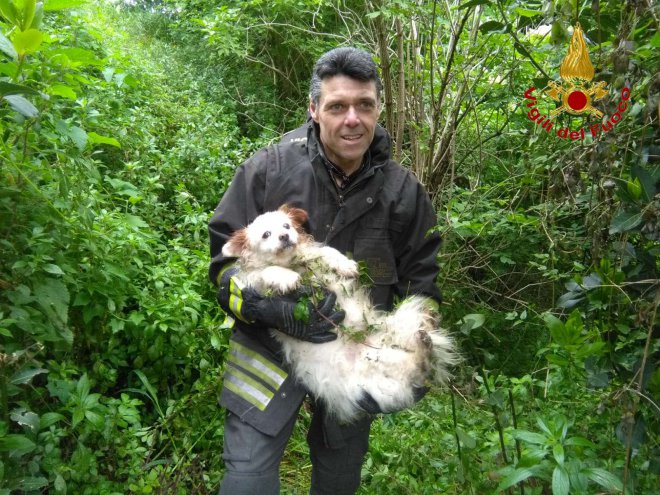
(279, 312)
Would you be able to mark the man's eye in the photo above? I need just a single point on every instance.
(266, 235)
(336, 106)
(366, 105)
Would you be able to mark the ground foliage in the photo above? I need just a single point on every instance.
(121, 125)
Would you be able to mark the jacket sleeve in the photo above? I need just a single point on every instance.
(241, 203)
(418, 245)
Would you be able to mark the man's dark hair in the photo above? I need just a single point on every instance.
(345, 61)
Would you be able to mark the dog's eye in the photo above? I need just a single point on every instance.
(286, 226)
(266, 235)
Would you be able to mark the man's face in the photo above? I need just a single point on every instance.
(347, 113)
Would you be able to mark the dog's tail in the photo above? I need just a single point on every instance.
(443, 356)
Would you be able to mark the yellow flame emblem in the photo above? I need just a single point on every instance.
(577, 71)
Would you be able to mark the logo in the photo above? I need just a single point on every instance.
(576, 93)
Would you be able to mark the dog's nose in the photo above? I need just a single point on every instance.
(284, 237)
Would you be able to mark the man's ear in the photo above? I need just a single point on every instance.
(236, 244)
(313, 110)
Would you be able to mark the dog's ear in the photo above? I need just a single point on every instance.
(234, 247)
(298, 217)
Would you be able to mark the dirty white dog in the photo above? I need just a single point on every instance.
(387, 357)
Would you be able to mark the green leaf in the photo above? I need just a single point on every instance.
(490, 26)
(472, 321)
(28, 41)
(558, 453)
(38, 16)
(516, 477)
(108, 73)
(26, 418)
(529, 437)
(16, 89)
(60, 484)
(54, 269)
(27, 15)
(22, 106)
(655, 41)
(634, 188)
(95, 418)
(16, 445)
(604, 478)
(24, 376)
(135, 221)
(150, 389)
(569, 300)
(301, 310)
(645, 179)
(82, 387)
(580, 442)
(474, 3)
(7, 47)
(51, 5)
(75, 57)
(625, 221)
(8, 10)
(32, 483)
(560, 481)
(123, 187)
(49, 419)
(527, 12)
(95, 138)
(63, 91)
(467, 440)
(521, 49)
(77, 417)
(78, 136)
(53, 297)
(557, 329)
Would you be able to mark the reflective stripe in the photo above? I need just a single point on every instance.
(228, 266)
(255, 357)
(247, 388)
(236, 298)
(269, 375)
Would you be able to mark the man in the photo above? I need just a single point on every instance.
(338, 168)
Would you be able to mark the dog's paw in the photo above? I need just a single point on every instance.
(348, 268)
(339, 263)
(281, 279)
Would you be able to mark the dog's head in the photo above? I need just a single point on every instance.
(271, 238)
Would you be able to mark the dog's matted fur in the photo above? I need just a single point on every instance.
(396, 353)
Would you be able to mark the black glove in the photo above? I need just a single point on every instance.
(419, 393)
(279, 312)
(369, 405)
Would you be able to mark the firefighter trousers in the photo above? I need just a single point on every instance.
(252, 458)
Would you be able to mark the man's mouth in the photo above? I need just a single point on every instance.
(352, 137)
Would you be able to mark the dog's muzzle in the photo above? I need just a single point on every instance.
(286, 243)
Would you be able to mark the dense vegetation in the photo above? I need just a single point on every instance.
(121, 126)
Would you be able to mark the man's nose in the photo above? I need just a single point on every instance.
(352, 117)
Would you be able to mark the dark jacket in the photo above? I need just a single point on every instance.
(384, 218)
